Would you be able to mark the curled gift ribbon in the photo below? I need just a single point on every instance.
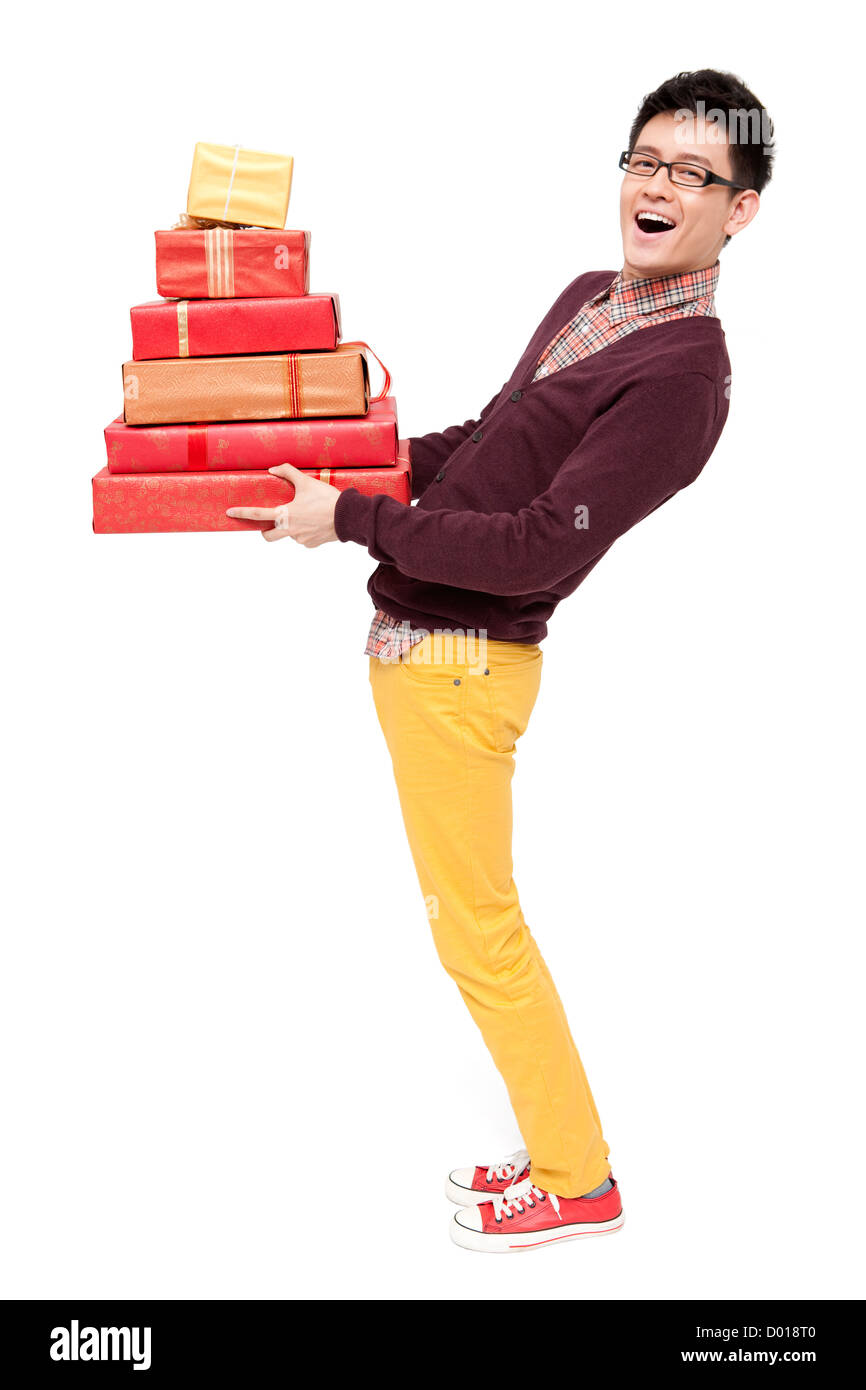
(386, 385)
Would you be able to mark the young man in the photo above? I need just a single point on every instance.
(616, 404)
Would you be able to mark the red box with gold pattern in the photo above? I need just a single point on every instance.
(367, 441)
(137, 502)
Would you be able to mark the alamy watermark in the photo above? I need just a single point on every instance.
(465, 647)
(744, 126)
(75, 1343)
(448, 647)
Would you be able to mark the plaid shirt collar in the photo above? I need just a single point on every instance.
(629, 299)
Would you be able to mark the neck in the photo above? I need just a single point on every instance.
(630, 273)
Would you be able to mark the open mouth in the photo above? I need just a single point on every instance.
(653, 223)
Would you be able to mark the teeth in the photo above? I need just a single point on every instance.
(657, 217)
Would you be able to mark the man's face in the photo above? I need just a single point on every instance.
(701, 216)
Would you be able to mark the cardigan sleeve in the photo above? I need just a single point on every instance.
(653, 441)
(429, 451)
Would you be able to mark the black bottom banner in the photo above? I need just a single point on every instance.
(262, 1342)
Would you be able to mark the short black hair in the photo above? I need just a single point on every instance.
(751, 149)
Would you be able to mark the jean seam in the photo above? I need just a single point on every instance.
(497, 975)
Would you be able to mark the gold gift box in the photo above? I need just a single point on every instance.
(230, 184)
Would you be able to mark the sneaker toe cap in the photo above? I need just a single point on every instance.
(462, 1177)
(469, 1217)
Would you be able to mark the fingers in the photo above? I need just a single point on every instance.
(290, 473)
(253, 513)
(272, 533)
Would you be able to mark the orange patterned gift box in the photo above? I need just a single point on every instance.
(178, 390)
(147, 502)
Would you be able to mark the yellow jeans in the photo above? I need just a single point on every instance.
(451, 712)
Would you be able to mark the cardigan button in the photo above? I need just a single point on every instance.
(439, 476)
(456, 680)
(515, 395)
(477, 436)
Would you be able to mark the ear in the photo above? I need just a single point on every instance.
(743, 208)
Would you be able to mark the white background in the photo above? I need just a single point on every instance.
(232, 1063)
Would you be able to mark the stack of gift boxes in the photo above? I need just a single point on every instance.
(239, 367)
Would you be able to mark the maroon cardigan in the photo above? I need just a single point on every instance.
(515, 508)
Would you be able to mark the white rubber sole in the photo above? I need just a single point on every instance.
(530, 1240)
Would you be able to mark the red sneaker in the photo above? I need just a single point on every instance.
(466, 1186)
(528, 1216)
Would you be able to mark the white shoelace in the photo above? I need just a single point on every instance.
(519, 1196)
(510, 1167)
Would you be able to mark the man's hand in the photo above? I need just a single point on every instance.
(308, 518)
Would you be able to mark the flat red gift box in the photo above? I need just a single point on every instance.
(347, 441)
(126, 502)
(222, 263)
(223, 327)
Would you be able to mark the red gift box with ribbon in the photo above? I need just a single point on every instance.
(135, 502)
(222, 327)
(367, 441)
(232, 263)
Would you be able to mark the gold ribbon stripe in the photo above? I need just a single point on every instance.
(219, 251)
(294, 403)
(182, 328)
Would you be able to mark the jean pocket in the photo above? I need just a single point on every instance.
(513, 690)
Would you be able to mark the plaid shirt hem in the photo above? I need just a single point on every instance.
(390, 638)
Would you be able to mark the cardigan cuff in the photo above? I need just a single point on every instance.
(353, 516)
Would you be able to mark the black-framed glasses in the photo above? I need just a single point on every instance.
(679, 170)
